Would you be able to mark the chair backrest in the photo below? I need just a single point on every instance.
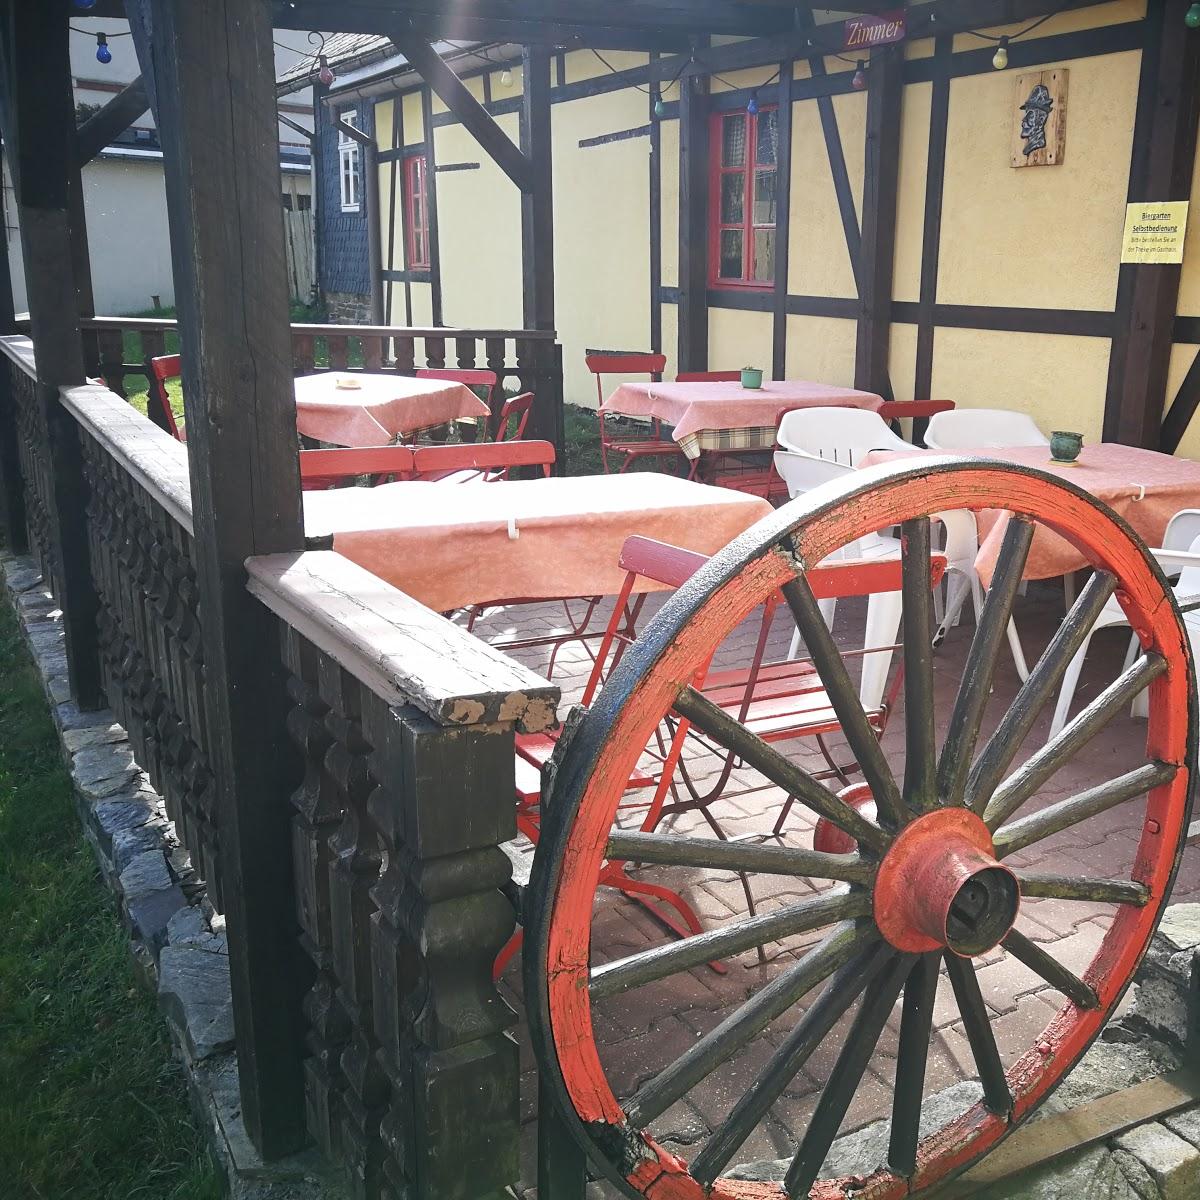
(602, 363)
(519, 407)
(981, 428)
(162, 368)
(493, 459)
(842, 435)
(1182, 529)
(322, 468)
(803, 472)
(709, 377)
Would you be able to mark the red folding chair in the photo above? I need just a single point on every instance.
(470, 377)
(517, 409)
(166, 366)
(323, 469)
(476, 462)
(628, 445)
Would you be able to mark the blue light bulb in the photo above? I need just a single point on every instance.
(103, 53)
(752, 107)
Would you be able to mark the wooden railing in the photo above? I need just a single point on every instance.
(402, 730)
(28, 495)
(405, 723)
(118, 348)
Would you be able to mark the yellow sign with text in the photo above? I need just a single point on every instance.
(1154, 233)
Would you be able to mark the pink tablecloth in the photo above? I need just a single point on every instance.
(696, 407)
(384, 406)
(1143, 486)
(451, 545)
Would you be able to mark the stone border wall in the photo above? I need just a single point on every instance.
(177, 941)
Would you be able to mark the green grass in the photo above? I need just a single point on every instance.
(92, 1104)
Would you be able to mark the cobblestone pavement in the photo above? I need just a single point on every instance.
(645, 1029)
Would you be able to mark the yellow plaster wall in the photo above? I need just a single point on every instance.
(584, 64)
(819, 262)
(1065, 22)
(902, 361)
(821, 348)
(479, 223)
(1041, 237)
(414, 119)
(1189, 282)
(602, 232)
(1058, 380)
(1182, 357)
(670, 203)
(739, 339)
(910, 206)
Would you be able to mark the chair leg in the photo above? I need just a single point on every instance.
(1018, 653)
(1066, 690)
(511, 949)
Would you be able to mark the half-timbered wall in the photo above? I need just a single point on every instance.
(1005, 289)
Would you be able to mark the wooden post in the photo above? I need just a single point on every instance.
(435, 245)
(45, 140)
(537, 240)
(12, 486)
(1164, 149)
(693, 223)
(214, 72)
(656, 335)
(783, 222)
(537, 201)
(878, 247)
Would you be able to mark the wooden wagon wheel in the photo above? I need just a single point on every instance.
(927, 884)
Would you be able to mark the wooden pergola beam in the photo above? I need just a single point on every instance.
(214, 74)
(113, 119)
(618, 24)
(877, 253)
(1164, 151)
(478, 122)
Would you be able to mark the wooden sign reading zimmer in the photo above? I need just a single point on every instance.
(866, 31)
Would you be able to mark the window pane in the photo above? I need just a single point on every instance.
(764, 197)
(733, 199)
(768, 137)
(764, 256)
(731, 254)
(733, 141)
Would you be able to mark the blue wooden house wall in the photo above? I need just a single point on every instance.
(345, 265)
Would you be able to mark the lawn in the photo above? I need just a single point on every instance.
(93, 1106)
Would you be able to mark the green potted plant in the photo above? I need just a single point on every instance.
(752, 377)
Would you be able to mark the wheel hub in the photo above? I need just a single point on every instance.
(940, 886)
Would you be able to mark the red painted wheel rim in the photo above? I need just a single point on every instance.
(820, 524)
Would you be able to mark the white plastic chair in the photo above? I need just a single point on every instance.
(840, 435)
(802, 472)
(1179, 554)
(978, 428)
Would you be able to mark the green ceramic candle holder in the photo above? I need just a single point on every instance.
(1065, 447)
(752, 378)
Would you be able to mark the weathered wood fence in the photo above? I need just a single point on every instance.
(527, 360)
(399, 794)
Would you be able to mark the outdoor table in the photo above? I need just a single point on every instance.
(712, 416)
(1143, 486)
(383, 407)
(456, 545)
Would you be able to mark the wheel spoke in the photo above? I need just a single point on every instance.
(845, 701)
(920, 756)
(996, 1094)
(1036, 769)
(916, 1023)
(1057, 817)
(810, 1031)
(670, 851)
(747, 1021)
(967, 714)
(1051, 970)
(1068, 887)
(781, 771)
(1041, 685)
(661, 961)
(845, 1077)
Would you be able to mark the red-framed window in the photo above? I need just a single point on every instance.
(742, 198)
(416, 212)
